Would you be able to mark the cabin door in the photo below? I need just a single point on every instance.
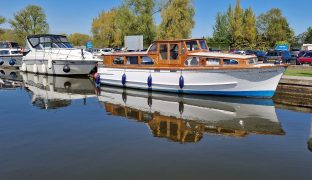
(169, 53)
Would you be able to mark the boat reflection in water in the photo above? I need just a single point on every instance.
(10, 78)
(52, 92)
(186, 118)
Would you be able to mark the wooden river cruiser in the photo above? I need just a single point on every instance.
(187, 66)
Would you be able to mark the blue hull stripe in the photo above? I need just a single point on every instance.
(262, 94)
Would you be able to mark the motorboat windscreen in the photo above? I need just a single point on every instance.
(52, 41)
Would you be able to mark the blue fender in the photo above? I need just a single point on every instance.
(181, 82)
(12, 62)
(123, 79)
(149, 81)
(98, 80)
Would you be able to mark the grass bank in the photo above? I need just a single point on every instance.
(306, 72)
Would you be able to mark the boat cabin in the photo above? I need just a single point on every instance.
(8, 48)
(177, 53)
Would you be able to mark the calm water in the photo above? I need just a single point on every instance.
(62, 128)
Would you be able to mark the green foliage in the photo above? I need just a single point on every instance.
(133, 17)
(29, 21)
(272, 27)
(144, 20)
(2, 20)
(308, 36)
(110, 27)
(8, 34)
(249, 29)
(237, 25)
(221, 28)
(78, 39)
(177, 20)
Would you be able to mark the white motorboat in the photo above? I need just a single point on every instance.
(180, 116)
(10, 54)
(54, 55)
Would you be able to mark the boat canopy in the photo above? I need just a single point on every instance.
(48, 41)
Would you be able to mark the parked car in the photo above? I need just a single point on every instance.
(260, 54)
(306, 58)
(278, 57)
(295, 51)
(300, 54)
(239, 52)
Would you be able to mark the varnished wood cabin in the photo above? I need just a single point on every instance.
(179, 54)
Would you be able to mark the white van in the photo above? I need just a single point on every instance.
(306, 47)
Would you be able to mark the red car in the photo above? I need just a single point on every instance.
(306, 58)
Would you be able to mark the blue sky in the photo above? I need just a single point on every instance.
(69, 16)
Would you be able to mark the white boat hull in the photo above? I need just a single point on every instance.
(253, 82)
(81, 67)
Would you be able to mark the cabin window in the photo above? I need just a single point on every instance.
(15, 52)
(163, 51)
(252, 61)
(203, 44)
(212, 62)
(174, 51)
(192, 45)
(192, 61)
(118, 60)
(145, 60)
(4, 52)
(153, 48)
(230, 61)
(132, 60)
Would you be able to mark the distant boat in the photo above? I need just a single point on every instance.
(187, 66)
(186, 118)
(54, 55)
(10, 54)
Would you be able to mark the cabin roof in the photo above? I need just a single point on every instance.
(44, 35)
(224, 55)
(178, 40)
(127, 53)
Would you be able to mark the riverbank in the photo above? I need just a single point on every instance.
(294, 93)
(302, 70)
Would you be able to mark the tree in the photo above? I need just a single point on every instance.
(29, 21)
(236, 25)
(2, 20)
(110, 27)
(78, 39)
(103, 29)
(143, 11)
(8, 34)
(249, 29)
(272, 27)
(308, 36)
(177, 19)
(221, 28)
